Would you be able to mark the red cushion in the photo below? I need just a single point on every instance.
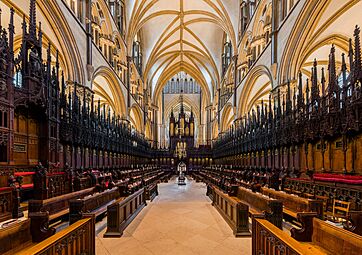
(27, 186)
(24, 173)
(339, 180)
(5, 188)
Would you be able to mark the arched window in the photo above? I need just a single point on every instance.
(18, 79)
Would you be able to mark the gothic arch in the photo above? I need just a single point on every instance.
(227, 117)
(256, 88)
(313, 30)
(136, 118)
(107, 88)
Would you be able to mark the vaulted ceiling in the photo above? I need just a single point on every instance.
(182, 35)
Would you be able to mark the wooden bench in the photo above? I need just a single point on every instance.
(76, 239)
(261, 204)
(14, 236)
(234, 212)
(121, 213)
(57, 206)
(293, 204)
(326, 237)
(43, 212)
(96, 204)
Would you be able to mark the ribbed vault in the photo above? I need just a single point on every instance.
(182, 35)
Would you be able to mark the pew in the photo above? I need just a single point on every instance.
(57, 206)
(234, 211)
(14, 236)
(121, 213)
(327, 237)
(96, 204)
(268, 239)
(293, 204)
(76, 239)
(261, 204)
(43, 212)
(326, 191)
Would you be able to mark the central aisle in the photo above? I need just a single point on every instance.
(181, 220)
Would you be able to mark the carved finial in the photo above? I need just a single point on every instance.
(40, 35)
(279, 104)
(99, 108)
(332, 72)
(315, 87)
(300, 92)
(288, 99)
(294, 98)
(351, 63)
(32, 22)
(63, 84)
(57, 59)
(92, 104)
(344, 71)
(357, 50)
(307, 92)
(323, 82)
(49, 58)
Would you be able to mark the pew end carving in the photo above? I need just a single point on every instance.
(304, 234)
(39, 226)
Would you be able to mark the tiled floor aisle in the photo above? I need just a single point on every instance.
(181, 221)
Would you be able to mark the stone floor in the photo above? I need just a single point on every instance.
(181, 221)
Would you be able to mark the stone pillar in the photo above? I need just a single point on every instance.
(274, 32)
(128, 83)
(88, 21)
(235, 59)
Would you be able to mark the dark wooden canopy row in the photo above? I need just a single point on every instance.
(306, 127)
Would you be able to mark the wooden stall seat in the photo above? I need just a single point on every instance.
(43, 212)
(293, 204)
(76, 239)
(121, 213)
(317, 238)
(261, 204)
(14, 236)
(27, 179)
(95, 204)
(57, 206)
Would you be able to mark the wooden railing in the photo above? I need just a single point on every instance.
(270, 240)
(121, 213)
(77, 239)
(235, 213)
(316, 237)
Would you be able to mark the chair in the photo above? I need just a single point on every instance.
(340, 209)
